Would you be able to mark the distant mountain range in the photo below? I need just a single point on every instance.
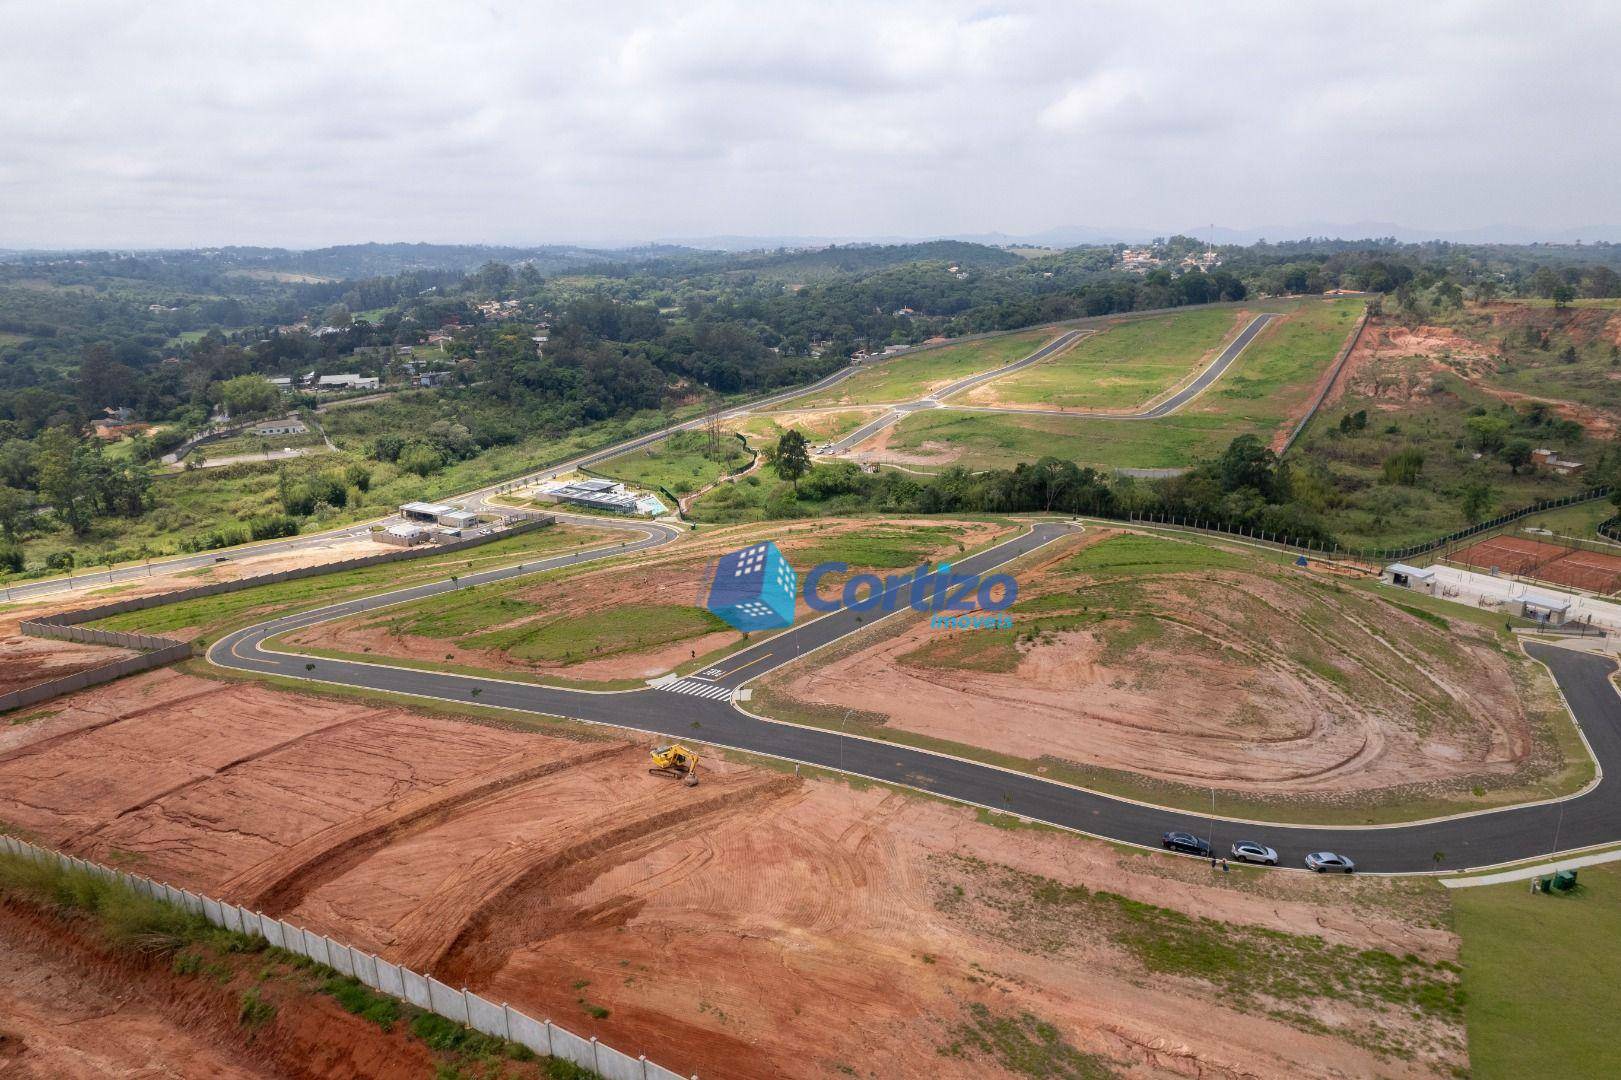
(1079, 235)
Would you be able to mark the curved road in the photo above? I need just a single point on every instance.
(480, 499)
(700, 708)
(1201, 382)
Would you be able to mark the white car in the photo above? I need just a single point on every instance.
(1250, 851)
(1325, 862)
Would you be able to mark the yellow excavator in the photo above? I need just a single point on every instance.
(677, 761)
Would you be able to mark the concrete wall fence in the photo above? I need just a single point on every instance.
(158, 651)
(425, 992)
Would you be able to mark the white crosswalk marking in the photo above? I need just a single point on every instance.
(698, 689)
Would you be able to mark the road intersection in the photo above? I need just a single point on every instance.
(705, 707)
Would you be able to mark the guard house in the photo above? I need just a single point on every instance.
(1420, 578)
(402, 535)
(1542, 607)
(458, 519)
(425, 511)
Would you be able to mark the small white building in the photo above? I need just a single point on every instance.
(289, 426)
(458, 519)
(1545, 608)
(348, 381)
(1420, 578)
(402, 535)
(425, 511)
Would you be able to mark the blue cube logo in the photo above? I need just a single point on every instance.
(754, 589)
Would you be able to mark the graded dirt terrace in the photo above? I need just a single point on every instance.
(759, 924)
(27, 661)
(622, 624)
(1197, 667)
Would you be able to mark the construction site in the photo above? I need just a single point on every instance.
(723, 928)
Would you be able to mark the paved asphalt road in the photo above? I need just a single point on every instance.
(873, 427)
(473, 500)
(1478, 840)
(1215, 370)
(480, 500)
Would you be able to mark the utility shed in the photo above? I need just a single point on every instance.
(1542, 607)
(1410, 577)
(425, 511)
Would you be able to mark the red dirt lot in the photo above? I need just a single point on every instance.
(757, 925)
(1558, 564)
(73, 1007)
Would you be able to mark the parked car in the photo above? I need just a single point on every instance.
(1186, 843)
(1250, 851)
(1326, 862)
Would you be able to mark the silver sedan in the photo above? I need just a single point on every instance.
(1251, 851)
(1326, 862)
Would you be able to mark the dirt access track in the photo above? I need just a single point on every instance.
(757, 925)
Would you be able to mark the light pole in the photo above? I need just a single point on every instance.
(1212, 821)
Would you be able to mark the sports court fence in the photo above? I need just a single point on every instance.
(424, 991)
(1334, 550)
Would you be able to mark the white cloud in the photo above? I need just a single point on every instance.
(309, 122)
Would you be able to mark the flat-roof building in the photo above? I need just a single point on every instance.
(425, 511)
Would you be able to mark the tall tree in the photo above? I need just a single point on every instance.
(790, 458)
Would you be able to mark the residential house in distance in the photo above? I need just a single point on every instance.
(290, 425)
(1550, 461)
(348, 381)
(1138, 260)
(282, 383)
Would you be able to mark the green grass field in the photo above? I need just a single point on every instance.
(682, 463)
(627, 628)
(189, 505)
(817, 427)
(1123, 366)
(907, 378)
(1539, 977)
(1270, 383)
(210, 615)
(237, 445)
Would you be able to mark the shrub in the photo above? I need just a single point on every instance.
(272, 526)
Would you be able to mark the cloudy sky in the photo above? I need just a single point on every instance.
(177, 123)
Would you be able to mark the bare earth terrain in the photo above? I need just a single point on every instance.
(1375, 370)
(756, 925)
(1270, 681)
